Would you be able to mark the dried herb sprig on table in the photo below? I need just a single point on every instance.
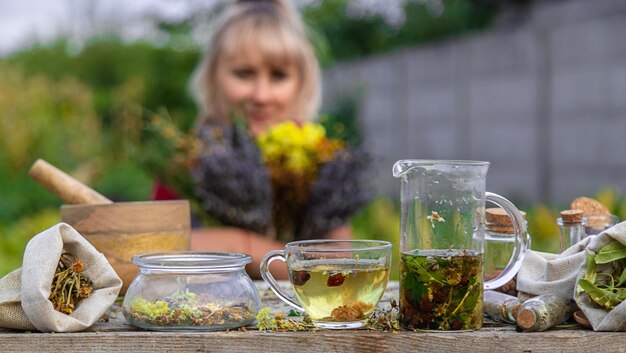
(268, 321)
(69, 284)
(605, 277)
(385, 319)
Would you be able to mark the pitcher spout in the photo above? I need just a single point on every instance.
(405, 166)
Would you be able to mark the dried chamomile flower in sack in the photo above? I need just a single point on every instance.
(64, 285)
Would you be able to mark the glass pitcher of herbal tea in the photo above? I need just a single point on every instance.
(442, 243)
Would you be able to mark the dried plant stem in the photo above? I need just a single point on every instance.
(69, 284)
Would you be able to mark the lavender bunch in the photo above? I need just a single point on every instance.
(231, 181)
(341, 188)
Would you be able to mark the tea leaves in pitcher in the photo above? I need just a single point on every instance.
(441, 290)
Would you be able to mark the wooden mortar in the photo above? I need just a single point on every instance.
(123, 229)
(118, 230)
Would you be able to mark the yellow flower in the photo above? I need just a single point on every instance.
(298, 160)
(296, 148)
(312, 134)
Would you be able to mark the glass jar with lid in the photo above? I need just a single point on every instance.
(207, 291)
(572, 227)
(499, 245)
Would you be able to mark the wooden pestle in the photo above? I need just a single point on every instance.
(64, 186)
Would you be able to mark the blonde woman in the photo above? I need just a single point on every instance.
(260, 61)
(259, 66)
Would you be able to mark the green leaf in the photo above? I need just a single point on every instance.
(611, 252)
(622, 278)
(620, 294)
(605, 298)
(591, 267)
(419, 266)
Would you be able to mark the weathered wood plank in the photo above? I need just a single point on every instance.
(488, 341)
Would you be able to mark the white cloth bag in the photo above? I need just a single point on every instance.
(24, 293)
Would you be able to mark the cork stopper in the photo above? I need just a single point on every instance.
(526, 319)
(572, 216)
(498, 220)
(515, 310)
(598, 216)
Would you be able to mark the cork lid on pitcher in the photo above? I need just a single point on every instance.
(498, 221)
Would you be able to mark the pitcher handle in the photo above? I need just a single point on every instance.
(522, 241)
(271, 281)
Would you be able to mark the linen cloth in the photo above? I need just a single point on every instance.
(558, 274)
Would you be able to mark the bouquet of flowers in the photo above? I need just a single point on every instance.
(291, 181)
(293, 154)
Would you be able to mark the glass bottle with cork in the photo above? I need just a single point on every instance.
(572, 226)
(500, 307)
(499, 245)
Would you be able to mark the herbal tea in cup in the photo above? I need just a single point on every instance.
(338, 283)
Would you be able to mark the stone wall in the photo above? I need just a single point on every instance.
(542, 97)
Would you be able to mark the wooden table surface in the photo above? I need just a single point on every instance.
(118, 336)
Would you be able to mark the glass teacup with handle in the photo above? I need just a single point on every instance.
(338, 283)
(442, 243)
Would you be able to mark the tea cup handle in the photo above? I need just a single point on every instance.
(271, 281)
(522, 241)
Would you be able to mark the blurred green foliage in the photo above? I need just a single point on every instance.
(119, 74)
(14, 237)
(380, 220)
(41, 116)
(341, 121)
(350, 38)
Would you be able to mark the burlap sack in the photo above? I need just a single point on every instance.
(24, 293)
(543, 273)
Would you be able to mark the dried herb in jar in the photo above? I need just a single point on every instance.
(188, 309)
(69, 284)
(441, 290)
